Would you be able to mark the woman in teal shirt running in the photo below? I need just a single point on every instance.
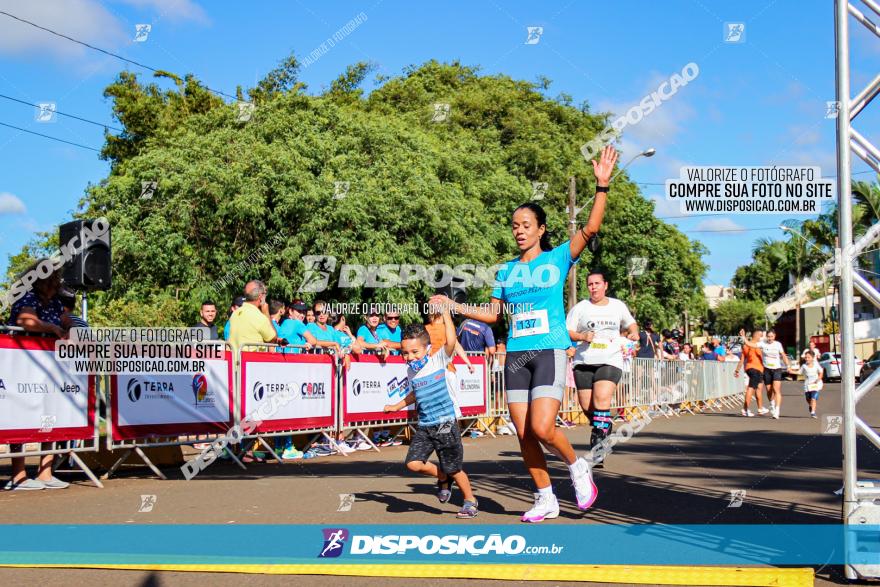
(532, 288)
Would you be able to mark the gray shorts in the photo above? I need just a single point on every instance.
(529, 375)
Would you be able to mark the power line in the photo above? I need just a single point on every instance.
(101, 124)
(50, 137)
(733, 229)
(104, 51)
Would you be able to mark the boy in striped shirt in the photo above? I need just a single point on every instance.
(437, 431)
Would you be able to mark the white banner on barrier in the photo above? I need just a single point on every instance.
(297, 390)
(370, 385)
(471, 392)
(157, 404)
(41, 400)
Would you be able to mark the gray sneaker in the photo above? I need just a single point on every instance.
(468, 510)
(55, 483)
(26, 485)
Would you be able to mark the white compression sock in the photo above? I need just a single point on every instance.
(546, 490)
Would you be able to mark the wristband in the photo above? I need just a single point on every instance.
(602, 188)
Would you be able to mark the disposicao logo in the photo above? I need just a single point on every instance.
(334, 542)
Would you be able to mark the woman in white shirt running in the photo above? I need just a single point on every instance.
(595, 324)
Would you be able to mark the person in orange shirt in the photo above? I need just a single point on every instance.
(754, 365)
(437, 334)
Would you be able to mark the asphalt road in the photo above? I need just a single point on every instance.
(675, 471)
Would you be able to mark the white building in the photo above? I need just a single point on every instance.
(715, 294)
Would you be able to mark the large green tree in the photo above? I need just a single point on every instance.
(420, 190)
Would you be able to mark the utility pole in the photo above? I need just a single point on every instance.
(572, 228)
(687, 325)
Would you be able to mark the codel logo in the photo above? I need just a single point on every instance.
(259, 391)
(334, 542)
(200, 387)
(312, 390)
(134, 390)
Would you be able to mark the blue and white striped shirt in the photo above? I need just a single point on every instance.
(434, 399)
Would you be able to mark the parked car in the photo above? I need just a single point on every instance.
(871, 365)
(830, 363)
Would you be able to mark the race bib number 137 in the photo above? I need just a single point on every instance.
(529, 323)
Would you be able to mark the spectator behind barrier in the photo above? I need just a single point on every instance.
(40, 311)
(389, 332)
(294, 329)
(235, 305)
(368, 335)
(346, 338)
(326, 336)
(476, 336)
(207, 316)
(68, 298)
(436, 330)
(276, 314)
(649, 342)
(250, 323)
(686, 353)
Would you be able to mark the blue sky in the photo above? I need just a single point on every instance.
(761, 101)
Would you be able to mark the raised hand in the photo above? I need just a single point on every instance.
(604, 166)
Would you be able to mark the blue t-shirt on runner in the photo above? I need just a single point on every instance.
(434, 399)
(535, 289)
(294, 331)
(385, 333)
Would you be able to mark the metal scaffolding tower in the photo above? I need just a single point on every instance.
(859, 507)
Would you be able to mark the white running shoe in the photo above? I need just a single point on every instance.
(747, 413)
(546, 507)
(763, 411)
(775, 413)
(585, 489)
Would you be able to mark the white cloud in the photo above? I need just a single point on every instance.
(666, 120)
(174, 10)
(664, 207)
(10, 204)
(85, 20)
(719, 224)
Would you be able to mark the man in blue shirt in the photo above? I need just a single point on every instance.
(476, 336)
(389, 332)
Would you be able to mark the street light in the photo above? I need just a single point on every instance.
(646, 153)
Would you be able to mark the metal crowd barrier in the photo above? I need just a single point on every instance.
(668, 386)
(672, 387)
(137, 445)
(316, 432)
